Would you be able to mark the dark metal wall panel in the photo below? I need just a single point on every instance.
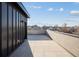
(19, 27)
(4, 29)
(12, 31)
(0, 29)
(7, 31)
(26, 29)
(10, 27)
(22, 28)
(14, 28)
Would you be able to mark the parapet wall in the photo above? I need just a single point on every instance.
(33, 31)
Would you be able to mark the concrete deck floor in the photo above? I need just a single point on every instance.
(44, 48)
(47, 49)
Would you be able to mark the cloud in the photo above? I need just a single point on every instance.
(38, 7)
(50, 9)
(74, 12)
(71, 20)
(61, 9)
(35, 7)
(74, 19)
(76, 2)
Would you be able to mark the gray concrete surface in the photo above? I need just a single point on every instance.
(71, 44)
(47, 48)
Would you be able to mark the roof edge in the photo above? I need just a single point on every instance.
(23, 8)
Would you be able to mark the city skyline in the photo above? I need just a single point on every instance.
(53, 13)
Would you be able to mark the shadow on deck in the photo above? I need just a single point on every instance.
(23, 51)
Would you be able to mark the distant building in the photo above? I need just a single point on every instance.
(35, 27)
(45, 27)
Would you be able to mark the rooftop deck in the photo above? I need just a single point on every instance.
(41, 47)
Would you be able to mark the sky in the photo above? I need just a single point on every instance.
(52, 13)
